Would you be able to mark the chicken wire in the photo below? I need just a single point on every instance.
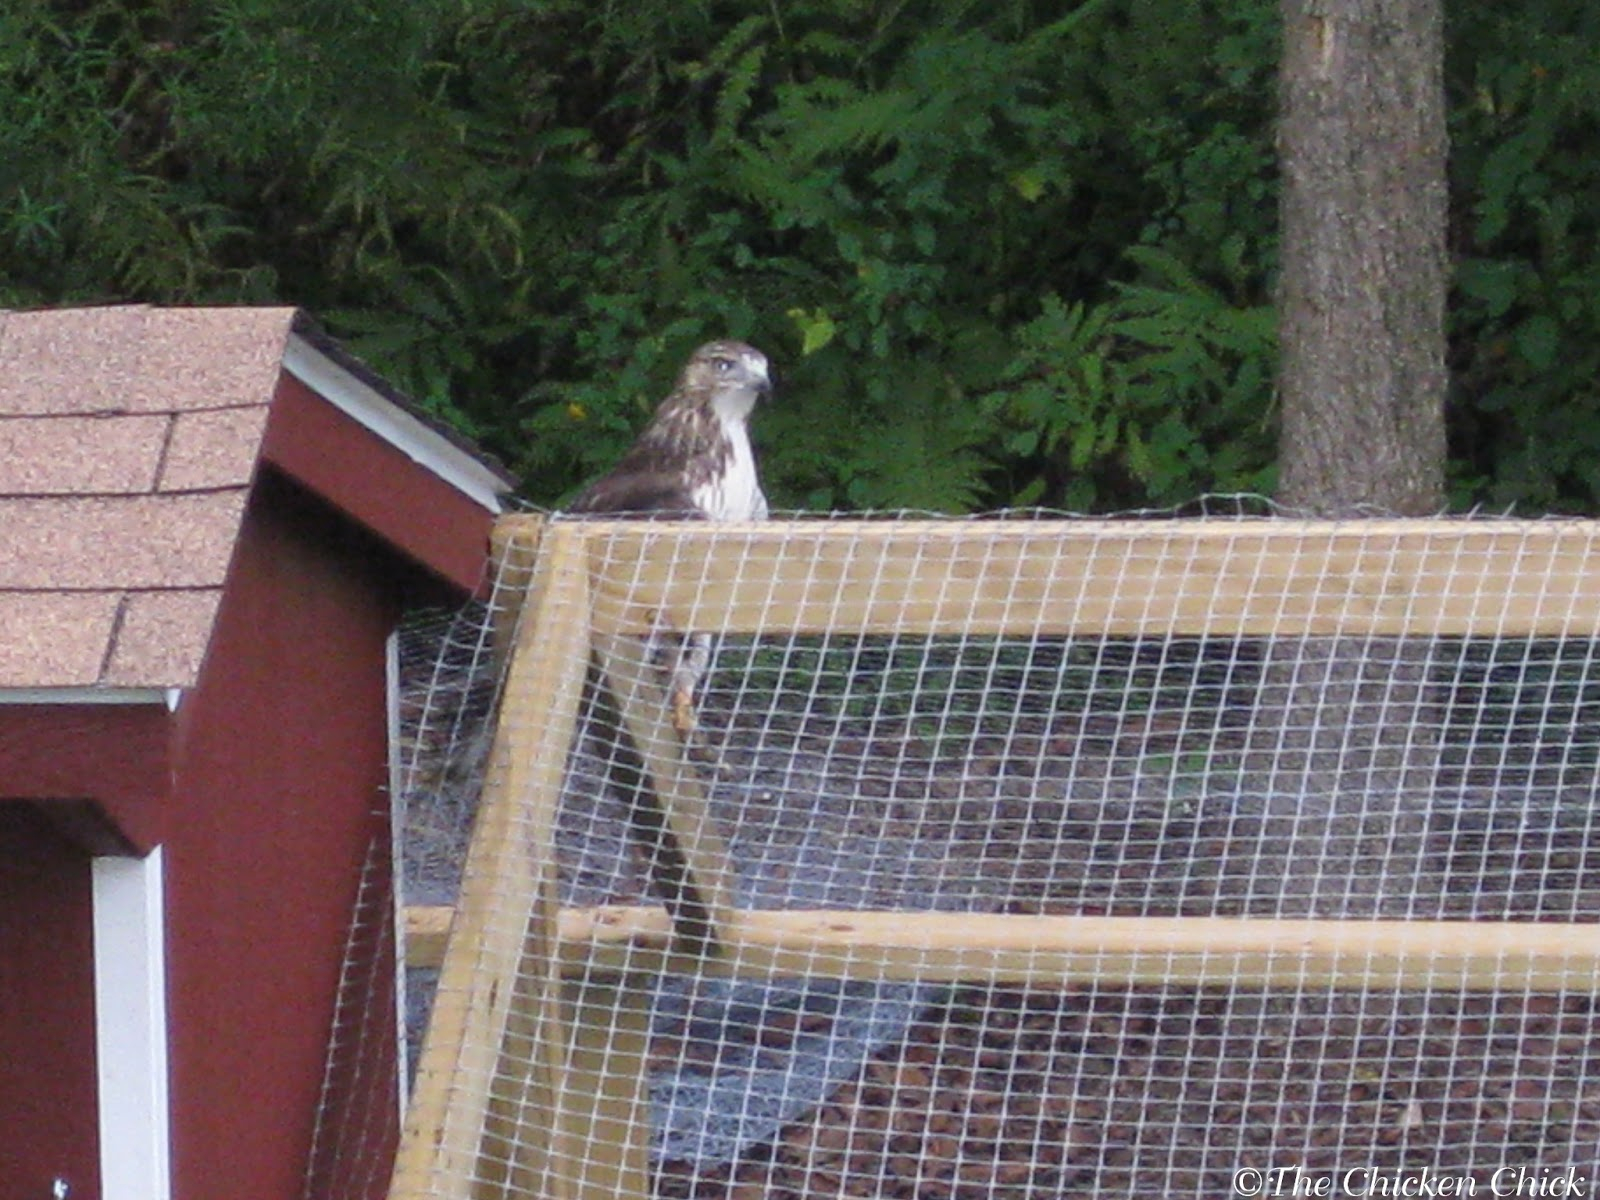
(1024, 772)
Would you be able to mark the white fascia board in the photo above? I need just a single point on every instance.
(130, 1003)
(167, 697)
(413, 438)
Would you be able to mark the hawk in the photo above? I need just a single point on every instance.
(693, 460)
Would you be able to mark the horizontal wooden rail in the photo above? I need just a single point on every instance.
(1220, 578)
(1052, 950)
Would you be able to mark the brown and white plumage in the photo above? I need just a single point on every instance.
(693, 460)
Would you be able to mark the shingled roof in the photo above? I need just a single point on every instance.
(129, 438)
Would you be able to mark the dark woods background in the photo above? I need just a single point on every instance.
(1002, 253)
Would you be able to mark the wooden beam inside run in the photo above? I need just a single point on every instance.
(1479, 955)
(1053, 950)
(685, 857)
(1486, 955)
(1217, 578)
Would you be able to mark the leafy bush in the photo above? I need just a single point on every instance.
(1014, 253)
(896, 206)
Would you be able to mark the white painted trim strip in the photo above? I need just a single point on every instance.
(130, 1002)
(393, 424)
(397, 817)
(167, 697)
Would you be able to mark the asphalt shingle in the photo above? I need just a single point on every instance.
(128, 439)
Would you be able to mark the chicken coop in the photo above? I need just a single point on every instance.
(1021, 858)
(214, 520)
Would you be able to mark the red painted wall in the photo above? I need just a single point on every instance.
(313, 442)
(282, 765)
(113, 757)
(49, 1122)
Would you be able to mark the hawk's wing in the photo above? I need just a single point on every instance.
(663, 494)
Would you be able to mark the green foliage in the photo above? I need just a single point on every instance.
(1009, 253)
(1526, 311)
(1159, 392)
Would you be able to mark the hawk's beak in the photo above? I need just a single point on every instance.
(763, 386)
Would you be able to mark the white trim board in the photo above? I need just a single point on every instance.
(169, 697)
(412, 437)
(130, 1004)
(397, 818)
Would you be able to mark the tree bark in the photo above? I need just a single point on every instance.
(1346, 738)
(1361, 146)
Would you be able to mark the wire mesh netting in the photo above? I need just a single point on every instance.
(1002, 858)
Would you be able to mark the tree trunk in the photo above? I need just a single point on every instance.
(1361, 146)
(1346, 741)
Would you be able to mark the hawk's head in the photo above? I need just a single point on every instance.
(732, 375)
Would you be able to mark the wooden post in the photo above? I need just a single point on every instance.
(514, 550)
(506, 911)
(603, 1117)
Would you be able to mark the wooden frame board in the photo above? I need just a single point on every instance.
(1111, 578)
(1246, 952)
(505, 920)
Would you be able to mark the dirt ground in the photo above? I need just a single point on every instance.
(1117, 1091)
(1123, 1092)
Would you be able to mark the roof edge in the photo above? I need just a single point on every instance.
(346, 385)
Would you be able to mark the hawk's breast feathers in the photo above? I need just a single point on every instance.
(732, 493)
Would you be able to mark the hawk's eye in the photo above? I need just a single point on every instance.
(723, 365)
